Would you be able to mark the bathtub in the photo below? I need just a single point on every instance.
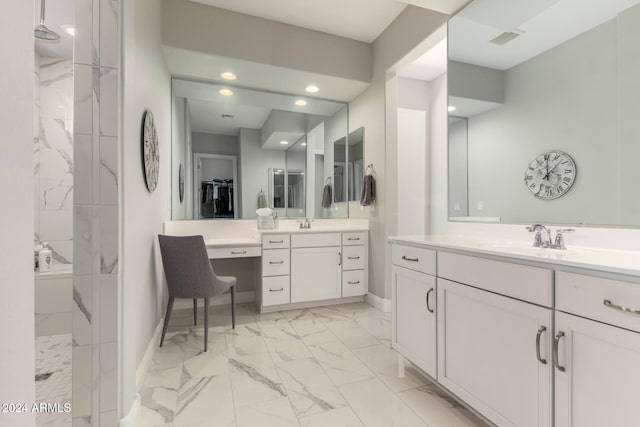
(53, 300)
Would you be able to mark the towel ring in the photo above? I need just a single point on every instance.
(369, 169)
(328, 180)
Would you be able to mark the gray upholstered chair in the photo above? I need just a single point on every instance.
(190, 275)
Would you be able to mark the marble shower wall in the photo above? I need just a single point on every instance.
(95, 213)
(53, 156)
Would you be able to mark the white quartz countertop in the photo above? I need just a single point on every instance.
(57, 270)
(321, 229)
(609, 260)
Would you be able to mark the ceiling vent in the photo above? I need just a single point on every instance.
(227, 116)
(505, 38)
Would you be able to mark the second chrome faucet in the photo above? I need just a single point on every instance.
(542, 238)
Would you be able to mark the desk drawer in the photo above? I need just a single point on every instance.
(419, 259)
(354, 257)
(276, 290)
(354, 283)
(359, 238)
(275, 262)
(586, 295)
(239, 252)
(275, 241)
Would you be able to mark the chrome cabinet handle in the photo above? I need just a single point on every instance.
(238, 252)
(276, 290)
(410, 259)
(609, 304)
(353, 257)
(538, 335)
(556, 343)
(340, 255)
(429, 292)
(354, 282)
(276, 241)
(276, 262)
(353, 238)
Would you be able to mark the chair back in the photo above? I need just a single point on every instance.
(187, 267)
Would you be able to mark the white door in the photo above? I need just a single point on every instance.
(414, 318)
(316, 274)
(600, 384)
(487, 354)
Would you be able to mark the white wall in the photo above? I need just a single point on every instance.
(16, 216)
(179, 155)
(254, 170)
(208, 143)
(147, 85)
(458, 167)
(216, 168)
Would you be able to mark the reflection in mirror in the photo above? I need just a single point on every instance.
(356, 163)
(531, 78)
(276, 150)
(339, 170)
(458, 185)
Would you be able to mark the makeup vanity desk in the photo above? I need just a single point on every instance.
(293, 268)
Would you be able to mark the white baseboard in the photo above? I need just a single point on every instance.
(143, 367)
(131, 418)
(247, 296)
(382, 304)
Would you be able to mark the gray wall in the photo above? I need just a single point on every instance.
(16, 185)
(208, 143)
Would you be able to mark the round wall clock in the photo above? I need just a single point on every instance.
(150, 151)
(550, 175)
(181, 183)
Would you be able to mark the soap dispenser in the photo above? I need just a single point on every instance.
(45, 258)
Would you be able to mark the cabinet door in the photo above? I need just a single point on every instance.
(316, 274)
(487, 354)
(599, 385)
(414, 319)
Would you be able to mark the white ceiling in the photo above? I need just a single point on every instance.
(429, 66)
(544, 23)
(57, 13)
(206, 116)
(362, 20)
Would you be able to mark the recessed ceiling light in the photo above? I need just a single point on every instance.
(228, 75)
(226, 92)
(69, 29)
(301, 102)
(451, 108)
(312, 89)
(284, 142)
(304, 144)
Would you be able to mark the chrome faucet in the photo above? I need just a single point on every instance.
(306, 224)
(540, 241)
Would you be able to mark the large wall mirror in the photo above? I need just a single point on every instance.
(543, 99)
(242, 149)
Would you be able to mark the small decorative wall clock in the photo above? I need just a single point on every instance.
(550, 175)
(150, 151)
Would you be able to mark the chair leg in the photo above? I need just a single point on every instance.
(206, 323)
(167, 316)
(233, 307)
(195, 311)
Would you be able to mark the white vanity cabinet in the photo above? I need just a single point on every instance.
(598, 365)
(299, 269)
(413, 308)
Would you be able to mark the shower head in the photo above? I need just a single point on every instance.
(41, 31)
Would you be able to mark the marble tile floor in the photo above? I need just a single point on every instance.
(327, 366)
(53, 356)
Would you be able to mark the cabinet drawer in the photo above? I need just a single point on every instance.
(275, 262)
(240, 252)
(275, 290)
(419, 259)
(315, 240)
(359, 238)
(586, 296)
(523, 282)
(275, 241)
(354, 257)
(354, 283)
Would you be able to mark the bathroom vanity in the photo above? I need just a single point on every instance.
(526, 336)
(292, 267)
